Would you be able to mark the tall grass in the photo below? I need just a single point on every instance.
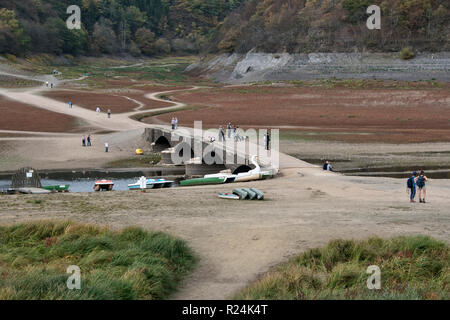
(412, 267)
(130, 264)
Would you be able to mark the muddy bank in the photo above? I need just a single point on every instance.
(375, 159)
(255, 66)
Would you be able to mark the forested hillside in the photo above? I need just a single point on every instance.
(158, 27)
(110, 26)
(302, 26)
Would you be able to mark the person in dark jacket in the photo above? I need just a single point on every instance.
(421, 180)
(411, 185)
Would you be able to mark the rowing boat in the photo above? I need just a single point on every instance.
(106, 185)
(229, 196)
(58, 188)
(202, 181)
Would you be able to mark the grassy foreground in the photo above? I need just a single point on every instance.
(414, 267)
(130, 264)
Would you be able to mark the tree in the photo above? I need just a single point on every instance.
(135, 18)
(104, 39)
(12, 38)
(145, 40)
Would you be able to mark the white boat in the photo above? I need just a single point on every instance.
(152, 184)
(252, 175)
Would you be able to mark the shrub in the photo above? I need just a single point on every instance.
(407, 53)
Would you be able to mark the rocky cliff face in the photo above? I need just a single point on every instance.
(255, 67)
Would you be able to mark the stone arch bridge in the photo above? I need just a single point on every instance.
(183, 143)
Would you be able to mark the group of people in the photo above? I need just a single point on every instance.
(47, 84)
(98, 110)
(235, 133)
(327, 166)
(417, 181)
(230, 131)
(174, 123)
(86, 142)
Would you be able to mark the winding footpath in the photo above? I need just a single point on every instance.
(118, 122)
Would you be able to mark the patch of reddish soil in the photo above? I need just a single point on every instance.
(152, 104)
(115, 101)
(22, 117)
(89, 100)
(383, 115)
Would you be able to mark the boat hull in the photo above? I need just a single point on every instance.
(59, 188)
(249, 177)
(229, 196)
(152, 184)
(202, 181)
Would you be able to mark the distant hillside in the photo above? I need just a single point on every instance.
(110, 26)
(161, 27)
(304, 26)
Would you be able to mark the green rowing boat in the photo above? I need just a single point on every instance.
(58, 188)
(202, 181)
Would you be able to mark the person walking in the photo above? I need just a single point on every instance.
(106, 147)
(267, 141)
(89, 141)
(411, 185)
(70, 105)
(176, 123)
(46, 83)
(51, 85)
(229, 127)
(83, 141)
(237, 134)
(109, 113)
(172, 122)
(98, 110)
(421, 180)
(221, 134)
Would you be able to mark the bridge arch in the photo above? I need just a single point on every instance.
(161, 144)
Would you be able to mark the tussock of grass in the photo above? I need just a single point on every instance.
(130, 264)
(414, 267)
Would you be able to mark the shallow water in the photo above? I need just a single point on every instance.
(80, 185)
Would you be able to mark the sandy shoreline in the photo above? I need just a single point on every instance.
(237, 241)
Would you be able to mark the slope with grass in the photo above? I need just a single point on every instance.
(412, 267)
(128, 264)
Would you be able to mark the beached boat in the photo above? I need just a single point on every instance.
(58, 188)
(227, 176)
(103, 185)
(229, 196)
(202, 181)
(152, 184)
(30, 190)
